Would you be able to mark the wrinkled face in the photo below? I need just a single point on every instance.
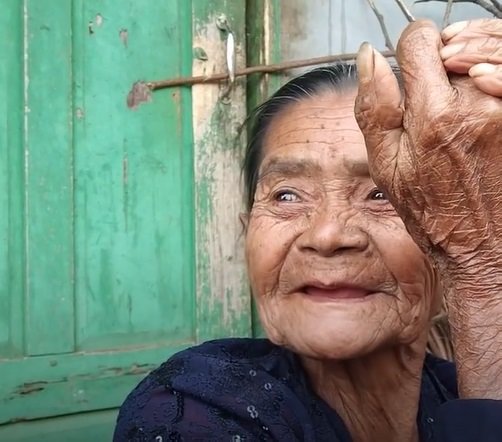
(332, 268)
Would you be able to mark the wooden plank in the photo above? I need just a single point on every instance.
(97, 426)
(70, 383)
(49, 181)
(134, 204)
(263, 30)
(223, 301)
(11, 182)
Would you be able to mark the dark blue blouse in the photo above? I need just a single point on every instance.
(251, 390)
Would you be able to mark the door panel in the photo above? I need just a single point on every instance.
(132, 180)
(11, 181)
(99, 235)
(97, 242)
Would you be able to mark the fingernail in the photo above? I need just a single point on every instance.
(451, 50)
(454, 29)
(478, 70)
(365, 62)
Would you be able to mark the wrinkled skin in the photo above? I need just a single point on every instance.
(319, 221)
(318, 218)
(437, 154)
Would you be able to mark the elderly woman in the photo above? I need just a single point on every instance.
(348, 274)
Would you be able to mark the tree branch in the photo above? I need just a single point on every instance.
(497, 4)
(492, 8)
(406, 11)
(381, 21)
(446, 18)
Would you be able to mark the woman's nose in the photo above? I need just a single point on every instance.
(331, 233)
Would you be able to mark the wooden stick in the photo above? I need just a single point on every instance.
(260, 69)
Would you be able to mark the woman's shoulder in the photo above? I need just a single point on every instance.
(232, 350)
(214, 390)
(237, 356)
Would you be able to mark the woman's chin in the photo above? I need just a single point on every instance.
(337, 350)
(333, 343)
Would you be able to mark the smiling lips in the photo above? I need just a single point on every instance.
(336, 292)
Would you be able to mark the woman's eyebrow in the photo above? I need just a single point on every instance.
(358, 167)
(289, 168)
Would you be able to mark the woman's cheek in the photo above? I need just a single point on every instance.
(406, 262)
(268, 242)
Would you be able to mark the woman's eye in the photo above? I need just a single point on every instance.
(286, 197)
(376, 194)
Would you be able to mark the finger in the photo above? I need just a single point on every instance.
(488, 78)
(467, 30)
(378, 108)
(460, 57)
(426, 84)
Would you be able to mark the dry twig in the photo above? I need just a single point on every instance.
(381, 21)
(260, 69)
(493, 7)
(407, 13)
(446, 18)
(497, 4)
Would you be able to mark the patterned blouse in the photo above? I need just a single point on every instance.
(240, 390)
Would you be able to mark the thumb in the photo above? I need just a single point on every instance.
(378, 111)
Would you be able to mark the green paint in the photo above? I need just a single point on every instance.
(74, 428)
(49, 179)
(105, 291)
(99, 239)
(11, 182)
(133, 281)
(76, 382)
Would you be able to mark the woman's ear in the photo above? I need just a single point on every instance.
(244, 219)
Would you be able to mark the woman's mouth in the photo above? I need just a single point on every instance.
(336, 293)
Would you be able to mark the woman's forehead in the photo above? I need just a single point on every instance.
(319, 129)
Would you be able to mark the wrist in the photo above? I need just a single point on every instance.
(475, 318)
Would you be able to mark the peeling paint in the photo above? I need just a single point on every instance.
(221, 275)
(123, 35)
(98, 21)
(139, 93)
(31, 387)
(40, 386)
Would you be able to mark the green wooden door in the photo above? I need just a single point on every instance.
(106, 265)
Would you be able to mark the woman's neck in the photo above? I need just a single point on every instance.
(376, 395)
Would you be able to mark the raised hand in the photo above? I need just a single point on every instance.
(437, 153)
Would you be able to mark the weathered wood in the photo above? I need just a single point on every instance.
(108, 192)
(92, 426)
(223, 301)
(263, 30)
(11, 182)
(77, 382)
(48, 147)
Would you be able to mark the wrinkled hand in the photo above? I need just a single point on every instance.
(437, 154)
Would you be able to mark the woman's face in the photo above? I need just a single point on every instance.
(332, 268)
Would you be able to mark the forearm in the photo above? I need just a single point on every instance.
(475, 317)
